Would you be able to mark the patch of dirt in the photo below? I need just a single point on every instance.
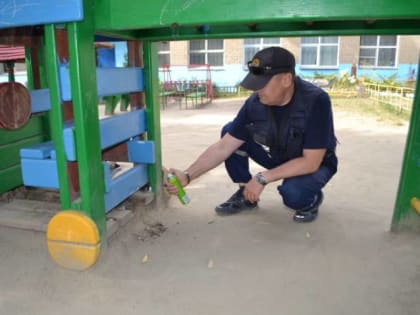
(151, 231)
(23, 193)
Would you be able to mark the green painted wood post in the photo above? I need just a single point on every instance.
(85, 108)
(10, 66)
(56, 114)
(29, 72)
(151, 66)
(409, 186)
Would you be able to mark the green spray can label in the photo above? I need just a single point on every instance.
(182, 195)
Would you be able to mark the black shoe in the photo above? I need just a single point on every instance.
(310, 214)
(235, 204)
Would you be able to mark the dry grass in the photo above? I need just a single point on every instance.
(365, 106)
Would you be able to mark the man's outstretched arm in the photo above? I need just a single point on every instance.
(210, 158)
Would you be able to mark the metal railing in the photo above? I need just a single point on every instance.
(399, 97)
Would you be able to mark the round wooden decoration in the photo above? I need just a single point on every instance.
(15, 105)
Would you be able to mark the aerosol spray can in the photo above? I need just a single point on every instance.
(182, 195)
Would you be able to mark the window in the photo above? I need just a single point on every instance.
(378, 51)
(253, 45)
(164, 54)
(206, 51)
(319, 52)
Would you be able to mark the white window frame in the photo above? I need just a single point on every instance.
(377, 47)
(206, 51)
(318, 46)
(165, 52)
(261, 45)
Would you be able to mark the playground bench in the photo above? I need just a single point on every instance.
(164, 96)
(194, 97)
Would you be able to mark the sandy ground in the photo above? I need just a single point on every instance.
(186, 260)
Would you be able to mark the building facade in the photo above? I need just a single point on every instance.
(375, 57)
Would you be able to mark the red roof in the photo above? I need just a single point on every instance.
(11, 53)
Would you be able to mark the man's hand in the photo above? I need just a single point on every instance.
(181, 177)
(253, 190)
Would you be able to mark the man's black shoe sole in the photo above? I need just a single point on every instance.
(228, 208)
(309, 215)
(305, 217)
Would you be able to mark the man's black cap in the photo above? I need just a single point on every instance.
(265, 64)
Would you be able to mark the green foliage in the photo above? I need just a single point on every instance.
(335, 81)
(345, 81)
(390, 80)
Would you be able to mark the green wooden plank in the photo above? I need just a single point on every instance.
(284, 29)
(409, 185)
(10, 178)
(9, 153)
(128, 14)
(35, 126)
(29, 72)
(85, 108)
(151, 65)
(56, 113)
(118, 35)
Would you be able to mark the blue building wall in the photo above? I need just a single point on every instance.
(403, 72)
(231, 75)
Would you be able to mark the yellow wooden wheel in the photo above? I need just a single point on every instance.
(73, 240)
(415, 203)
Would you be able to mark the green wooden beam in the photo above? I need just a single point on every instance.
(35, 126)
(151, 65)
(29, 72)
(131, 15)
(10, 178)
(283, 29)
(11, 141)
(405, 216)
(85, 108)
(118, 35)
(56, 114)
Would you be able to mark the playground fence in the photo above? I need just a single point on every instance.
(398, 97)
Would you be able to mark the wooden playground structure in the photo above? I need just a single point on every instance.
(54, 138)
(192, 93)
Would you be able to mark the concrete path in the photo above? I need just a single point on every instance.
(185, 260)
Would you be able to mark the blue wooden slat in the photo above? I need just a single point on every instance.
(113, 81)
(40, 100)
(118, 128)
(113, 130)
(38, 151)
(141, 151)
(15, 13)
(110, 81)
(40, 173)
(107, 175)
(125, 185)
(69, 144)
